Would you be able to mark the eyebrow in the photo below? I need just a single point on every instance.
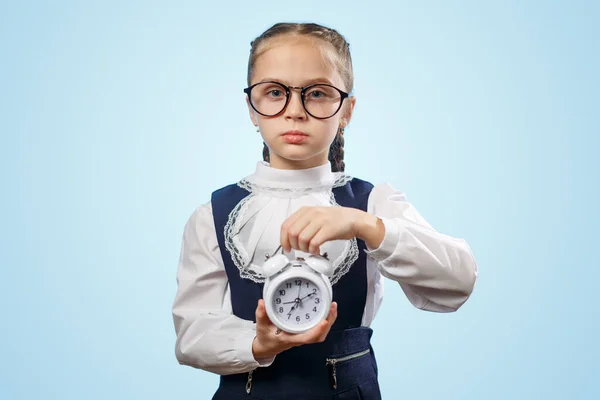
(306, 83)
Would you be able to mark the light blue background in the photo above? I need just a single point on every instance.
(117, 119)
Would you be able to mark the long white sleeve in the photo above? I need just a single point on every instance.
(437, 272)
(209, 336)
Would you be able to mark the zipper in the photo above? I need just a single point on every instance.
(249, 382)
(334, 361)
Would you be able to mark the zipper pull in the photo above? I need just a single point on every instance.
(331, 361)
(249, 382)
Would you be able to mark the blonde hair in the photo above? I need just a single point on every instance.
(340, 56)
(336, 52)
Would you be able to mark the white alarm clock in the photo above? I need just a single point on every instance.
(297, 293)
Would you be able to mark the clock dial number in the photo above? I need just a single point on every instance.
(293, 304)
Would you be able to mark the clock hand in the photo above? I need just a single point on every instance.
(300, 300)
(292, 309)
(308, 295)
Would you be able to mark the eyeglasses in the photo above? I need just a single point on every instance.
(320, 100)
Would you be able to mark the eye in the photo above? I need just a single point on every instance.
(275, 93)
(315, 94)
(321, 93)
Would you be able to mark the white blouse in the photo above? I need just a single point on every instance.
(436, 272)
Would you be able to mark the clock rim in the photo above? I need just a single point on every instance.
(305, 272)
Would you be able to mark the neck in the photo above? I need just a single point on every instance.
(278, 162)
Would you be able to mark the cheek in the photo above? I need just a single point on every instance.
(268, 127)
(330, 130)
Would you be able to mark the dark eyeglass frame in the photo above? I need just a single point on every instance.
(303, 90)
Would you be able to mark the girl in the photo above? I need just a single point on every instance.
(299, 198)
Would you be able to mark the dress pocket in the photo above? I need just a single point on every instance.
(349, 370)
(334, 361)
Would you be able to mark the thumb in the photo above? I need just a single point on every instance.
(261, 313)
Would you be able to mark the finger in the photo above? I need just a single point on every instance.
(333, 313)
(308, 336)
(321, 335)
(320, 237)
(295, 215)
(314, 245)
(262, 319)
(327, 323)
(283, 234)
(288, 223)
(319, 332)
(293, 231)
(330, 321)
(306, 235)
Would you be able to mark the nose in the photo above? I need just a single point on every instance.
(295, 109)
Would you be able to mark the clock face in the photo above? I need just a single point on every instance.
(298, 302)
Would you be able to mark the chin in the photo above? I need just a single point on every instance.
(298, 153)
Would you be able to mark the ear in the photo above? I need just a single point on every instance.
(253, 115)
(348, 110)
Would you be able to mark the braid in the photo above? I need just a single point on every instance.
(336, 152)
(266, 153)
(337, 55)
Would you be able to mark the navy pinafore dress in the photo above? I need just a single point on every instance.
(344, 365)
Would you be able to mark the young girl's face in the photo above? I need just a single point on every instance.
(295, 138)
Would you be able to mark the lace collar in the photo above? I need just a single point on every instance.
(253, 227)
(292, 183)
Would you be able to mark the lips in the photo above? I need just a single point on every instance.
(294, 136)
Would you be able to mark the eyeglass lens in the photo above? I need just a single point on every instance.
(321, 101)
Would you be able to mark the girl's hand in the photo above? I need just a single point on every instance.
(309, 227)
(268, 343)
